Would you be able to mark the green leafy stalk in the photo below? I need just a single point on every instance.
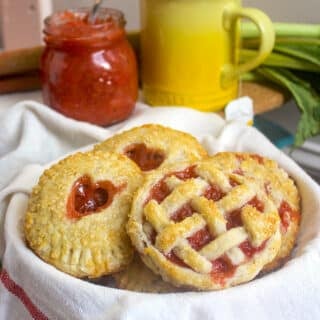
(305, 96)
(296, 30)
(293, 64)
(291, 34)
(283, 60)
(253, 43)
(310, 52)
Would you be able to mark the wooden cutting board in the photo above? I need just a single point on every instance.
(265, 97)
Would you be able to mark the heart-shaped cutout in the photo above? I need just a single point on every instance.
(87, 197)
(146, 158)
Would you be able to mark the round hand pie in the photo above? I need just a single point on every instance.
(77, 213)
(153, 146)
(280, 189)
(203, 227)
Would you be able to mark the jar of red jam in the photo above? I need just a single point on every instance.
(89, 70)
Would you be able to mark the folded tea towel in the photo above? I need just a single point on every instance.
(33, 135)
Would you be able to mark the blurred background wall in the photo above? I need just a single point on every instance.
(278, 10)
(21, 21)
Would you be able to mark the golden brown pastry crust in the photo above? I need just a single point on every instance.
(96, 243)
(182, 225)
(281, 190)
(162, 145)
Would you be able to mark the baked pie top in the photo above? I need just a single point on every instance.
(203, 227)
(153, 146)
(280, 188)
(77, 213)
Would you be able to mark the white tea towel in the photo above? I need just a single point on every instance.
(32, 289)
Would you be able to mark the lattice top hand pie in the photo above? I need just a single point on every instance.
(78, 211)
(203, 226)
(153, 146)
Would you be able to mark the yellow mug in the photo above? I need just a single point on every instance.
(190, 48)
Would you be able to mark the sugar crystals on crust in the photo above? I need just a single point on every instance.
(77, 213)
(154, 146)
(203, 227)
(280, 188)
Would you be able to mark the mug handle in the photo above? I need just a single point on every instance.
(267, 39)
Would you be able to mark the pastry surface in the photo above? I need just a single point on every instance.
(153, 146)
(203, 226)
(280, 188)
(77, 213)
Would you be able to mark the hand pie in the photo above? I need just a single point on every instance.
(77, 213)
(203, 227)
(153, 146)
(280, 188)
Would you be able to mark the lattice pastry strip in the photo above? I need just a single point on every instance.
(214, 176)
(214, 218)
(223, 243)
(236, 256)
(182, 194)
(169, 239)
(279, 186)
(259, 226)
(196, 241)
(192, 258)
(156, 216)
(237, 197)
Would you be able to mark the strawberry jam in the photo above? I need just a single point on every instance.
(249, 250)
(287, 214)
(146, 158)
(222, 269)
(89, 197)
(171, 256)
(184, 212)
(158, 192)
(200, 238)
(256, 203)
(214, 193)
(89, 70)
(186, 174)
(234, 217)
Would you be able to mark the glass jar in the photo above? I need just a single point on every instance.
(89, 70)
